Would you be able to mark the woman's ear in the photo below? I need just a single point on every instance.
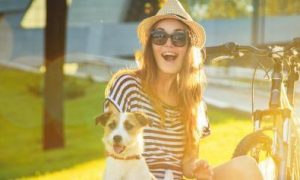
(103, 118)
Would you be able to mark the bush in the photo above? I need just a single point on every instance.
(73, 87)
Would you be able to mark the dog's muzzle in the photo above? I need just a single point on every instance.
(118, 146)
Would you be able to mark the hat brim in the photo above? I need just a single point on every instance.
(198, 36)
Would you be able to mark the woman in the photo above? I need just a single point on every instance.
(167, 87)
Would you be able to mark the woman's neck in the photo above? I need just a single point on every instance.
(164, 82)
(163, 87)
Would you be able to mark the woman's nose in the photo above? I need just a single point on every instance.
(169, 42)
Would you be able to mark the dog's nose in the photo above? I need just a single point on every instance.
(117, 139)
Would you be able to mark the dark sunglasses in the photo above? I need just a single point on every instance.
(160, 37)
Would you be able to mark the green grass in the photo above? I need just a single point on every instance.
(228, 126)
(21, 118)
(21, 153)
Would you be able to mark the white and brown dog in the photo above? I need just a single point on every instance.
(123, 140)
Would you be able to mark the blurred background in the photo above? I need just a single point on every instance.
(57, 56)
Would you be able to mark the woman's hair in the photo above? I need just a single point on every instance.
(188, 85)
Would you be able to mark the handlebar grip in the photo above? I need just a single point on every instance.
(226, 49)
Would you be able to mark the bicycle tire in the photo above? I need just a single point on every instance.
(250, 141)
(293, 169)
(255, 145)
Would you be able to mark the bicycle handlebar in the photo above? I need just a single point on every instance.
(233, 49)
(294, 44)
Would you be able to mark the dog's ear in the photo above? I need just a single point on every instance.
(142, 119)
(103, 118)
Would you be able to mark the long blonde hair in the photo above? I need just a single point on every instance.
(189, 86)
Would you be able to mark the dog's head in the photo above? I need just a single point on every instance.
(122, 130)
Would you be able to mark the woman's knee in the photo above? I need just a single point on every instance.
(243, 167)
(244, 161)
(247, 166)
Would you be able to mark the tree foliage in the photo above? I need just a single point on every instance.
(214, 9)
(220, 9)
(282, 7)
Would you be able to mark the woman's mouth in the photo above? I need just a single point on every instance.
(169, 56)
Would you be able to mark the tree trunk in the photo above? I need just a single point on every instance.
(55, 35)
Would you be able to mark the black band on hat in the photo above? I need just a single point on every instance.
(178, 16)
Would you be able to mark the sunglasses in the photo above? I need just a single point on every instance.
(160, 37)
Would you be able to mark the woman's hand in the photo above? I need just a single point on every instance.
(202, 170)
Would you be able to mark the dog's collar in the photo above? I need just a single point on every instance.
(138, 156)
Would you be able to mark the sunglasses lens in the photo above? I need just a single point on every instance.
(159, 37)
(179, 39)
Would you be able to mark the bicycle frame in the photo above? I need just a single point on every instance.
(281, 115)
(280, 111)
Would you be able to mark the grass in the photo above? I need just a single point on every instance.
(21, 153)
(228, 126)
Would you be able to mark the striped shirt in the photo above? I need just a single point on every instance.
(163, 147)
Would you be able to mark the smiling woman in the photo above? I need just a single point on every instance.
(169, 54)
(167, 87)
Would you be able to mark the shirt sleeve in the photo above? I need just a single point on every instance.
(203, 121)
(120, 93)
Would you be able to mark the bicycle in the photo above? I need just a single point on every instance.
(275, 145)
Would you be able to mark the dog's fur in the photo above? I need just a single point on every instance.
(123, 140)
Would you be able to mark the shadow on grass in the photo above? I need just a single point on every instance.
(27, 158)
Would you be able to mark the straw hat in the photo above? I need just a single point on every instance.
(172, 10)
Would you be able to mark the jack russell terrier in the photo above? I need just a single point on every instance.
(123, 140)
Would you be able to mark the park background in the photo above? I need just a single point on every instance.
(99, 38)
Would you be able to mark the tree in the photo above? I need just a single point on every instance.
(282, 7)
(228, 9)
(56, 15)
(140, 9)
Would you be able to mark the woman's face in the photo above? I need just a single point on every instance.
(169, 57)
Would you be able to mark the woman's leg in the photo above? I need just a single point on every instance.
(240, 168)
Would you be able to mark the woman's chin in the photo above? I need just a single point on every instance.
(169, 72)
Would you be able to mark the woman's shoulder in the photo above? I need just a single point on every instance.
(129, 76)
(123, 79)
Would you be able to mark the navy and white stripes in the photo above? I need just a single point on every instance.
(163, 147)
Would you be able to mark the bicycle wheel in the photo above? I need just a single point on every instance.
(259, 146)
(293, 167)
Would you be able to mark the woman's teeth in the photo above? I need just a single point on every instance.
(169, 56)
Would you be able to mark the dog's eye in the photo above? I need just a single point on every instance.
(128, 126)
(112, 125)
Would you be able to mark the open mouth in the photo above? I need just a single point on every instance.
(119, 148)
(169, 56)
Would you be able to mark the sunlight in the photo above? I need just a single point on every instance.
(202, 118)
(35, 16)
(197, 55)
(87, 170)
(69, 68)
(267, 168)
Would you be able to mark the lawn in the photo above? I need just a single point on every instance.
(21, 112)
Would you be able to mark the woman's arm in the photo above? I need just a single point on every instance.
(189, 159)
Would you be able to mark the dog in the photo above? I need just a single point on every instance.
(123, 140)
